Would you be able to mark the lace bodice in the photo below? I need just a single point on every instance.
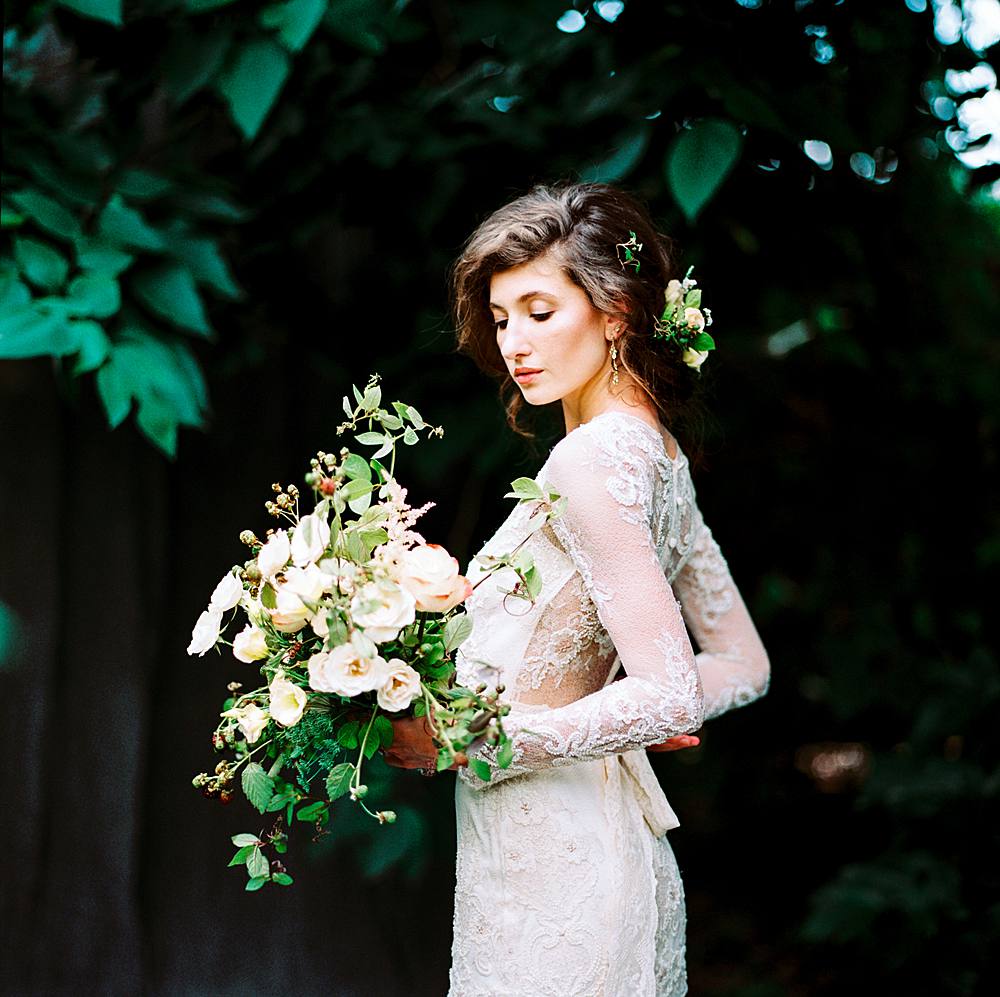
(628, 570)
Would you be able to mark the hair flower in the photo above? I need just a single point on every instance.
(684, 320)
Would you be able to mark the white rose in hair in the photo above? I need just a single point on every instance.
(287, 700)
(694, 358)
(227, 593)
(383, 608)
(250, 644)
(432, 575)
(346, 671)
(205, 632)
(674, 292)
(693, 316)
(274, 554)
(289, 614)
(251, 720)
(310, 539)
(401, 687)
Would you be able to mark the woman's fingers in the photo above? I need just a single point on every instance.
(676, 743)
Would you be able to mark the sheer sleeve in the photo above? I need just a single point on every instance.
(732, 661)
(605, 529)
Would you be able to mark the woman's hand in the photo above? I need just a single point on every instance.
(413, 746)
(676, 743)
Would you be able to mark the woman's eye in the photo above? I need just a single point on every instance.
(501, 324)
(540, 316)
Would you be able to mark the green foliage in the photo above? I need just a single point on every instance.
(258, 786)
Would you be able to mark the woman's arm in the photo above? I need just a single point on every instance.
(605, 530)
(732, 661)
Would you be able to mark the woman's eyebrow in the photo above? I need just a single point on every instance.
(525, 297)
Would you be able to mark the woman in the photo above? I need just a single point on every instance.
(565, 880)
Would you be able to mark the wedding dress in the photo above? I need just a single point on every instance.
(565, 882)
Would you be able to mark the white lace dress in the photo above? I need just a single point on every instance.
(565, 881)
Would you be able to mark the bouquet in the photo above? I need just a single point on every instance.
(354, 619)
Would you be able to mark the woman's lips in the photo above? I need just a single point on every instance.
(525, 376)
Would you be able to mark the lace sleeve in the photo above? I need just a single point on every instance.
(732, 661)
(605, 529)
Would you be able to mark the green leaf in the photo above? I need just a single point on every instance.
(282, 879)
(258, 786)
(456, 630)
(94, 294)
(95, 346)
(338, 782)
(169, 291)
(629, 150)
(385, 731)
(30, 332)
(296, 21)
(46, 213)
(125, 226)
(356, 467)
(505, 753)
(44, 266)
(315, 811)
(257, 864)
(525, 488)
(141, 185)
(371, 439)
(480, 768)
(256, 883)
(698, 161)
(245, 839)
(703, 341)
(193, 58)
(251, 82)
(533, 582)
(101, 256)
(371, 745)
(347, 736)
(100, 10)
(203, 260)
(241, 856)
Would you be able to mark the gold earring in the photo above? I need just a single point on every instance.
(614, 363)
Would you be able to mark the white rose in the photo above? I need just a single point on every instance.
(339, 573)
(432, 576)
(674, 293)
(401, 686)
(288, 614)
(319, 624)
(251, 719)
(205, 632)
(694, 358)
(250, 644)
(693, 316)
(310, 539)
(274, 554)
(383, 609)
(308, 583)
(227, 593)
(287, 700)
(346, 671)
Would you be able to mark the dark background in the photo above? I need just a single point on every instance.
(288, 184)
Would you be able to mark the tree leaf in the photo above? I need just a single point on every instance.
(101, 256)
(252, 81)
(628, 152)
(46, 213)
(314, 811)
(245, 839)
(385, 731)
(203, 259)
(125, 226)
(241, 856)
(193, 58)
(169, 291)
(94, 294)
(456, 630)
(100, 10)
(95, 347)
(256, 883)
(296, 21)
(338, 782)
(257, 864)
(258, 786)
(698, 160)
(44, 266)
(347, 736)
(282, 879)
(480, 768)
(30, 332)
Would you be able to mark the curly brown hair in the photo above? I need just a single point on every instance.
(579, 224)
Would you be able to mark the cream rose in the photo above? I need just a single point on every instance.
(693, 316)
(274, 554)
(694, 358)
(383, 608)
(227, 593)
(287, 700)
(346, 671)
(674, 292)
(251, 720)
(432, 576)
(205, 632)
(310, 539)
(401, 686)
(250, 644)
(288, 614)
(307, 583)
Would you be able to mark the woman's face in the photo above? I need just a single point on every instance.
(546, 323)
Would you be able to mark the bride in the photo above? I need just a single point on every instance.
(566, 883)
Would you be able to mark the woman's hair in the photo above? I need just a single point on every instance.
(580, 223)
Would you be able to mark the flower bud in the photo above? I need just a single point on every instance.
(327, 486)
(386, 816)
(218, 742)
(225, 796)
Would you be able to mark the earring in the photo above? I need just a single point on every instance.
(614, 359)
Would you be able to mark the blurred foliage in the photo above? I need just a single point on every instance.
(259, 187)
